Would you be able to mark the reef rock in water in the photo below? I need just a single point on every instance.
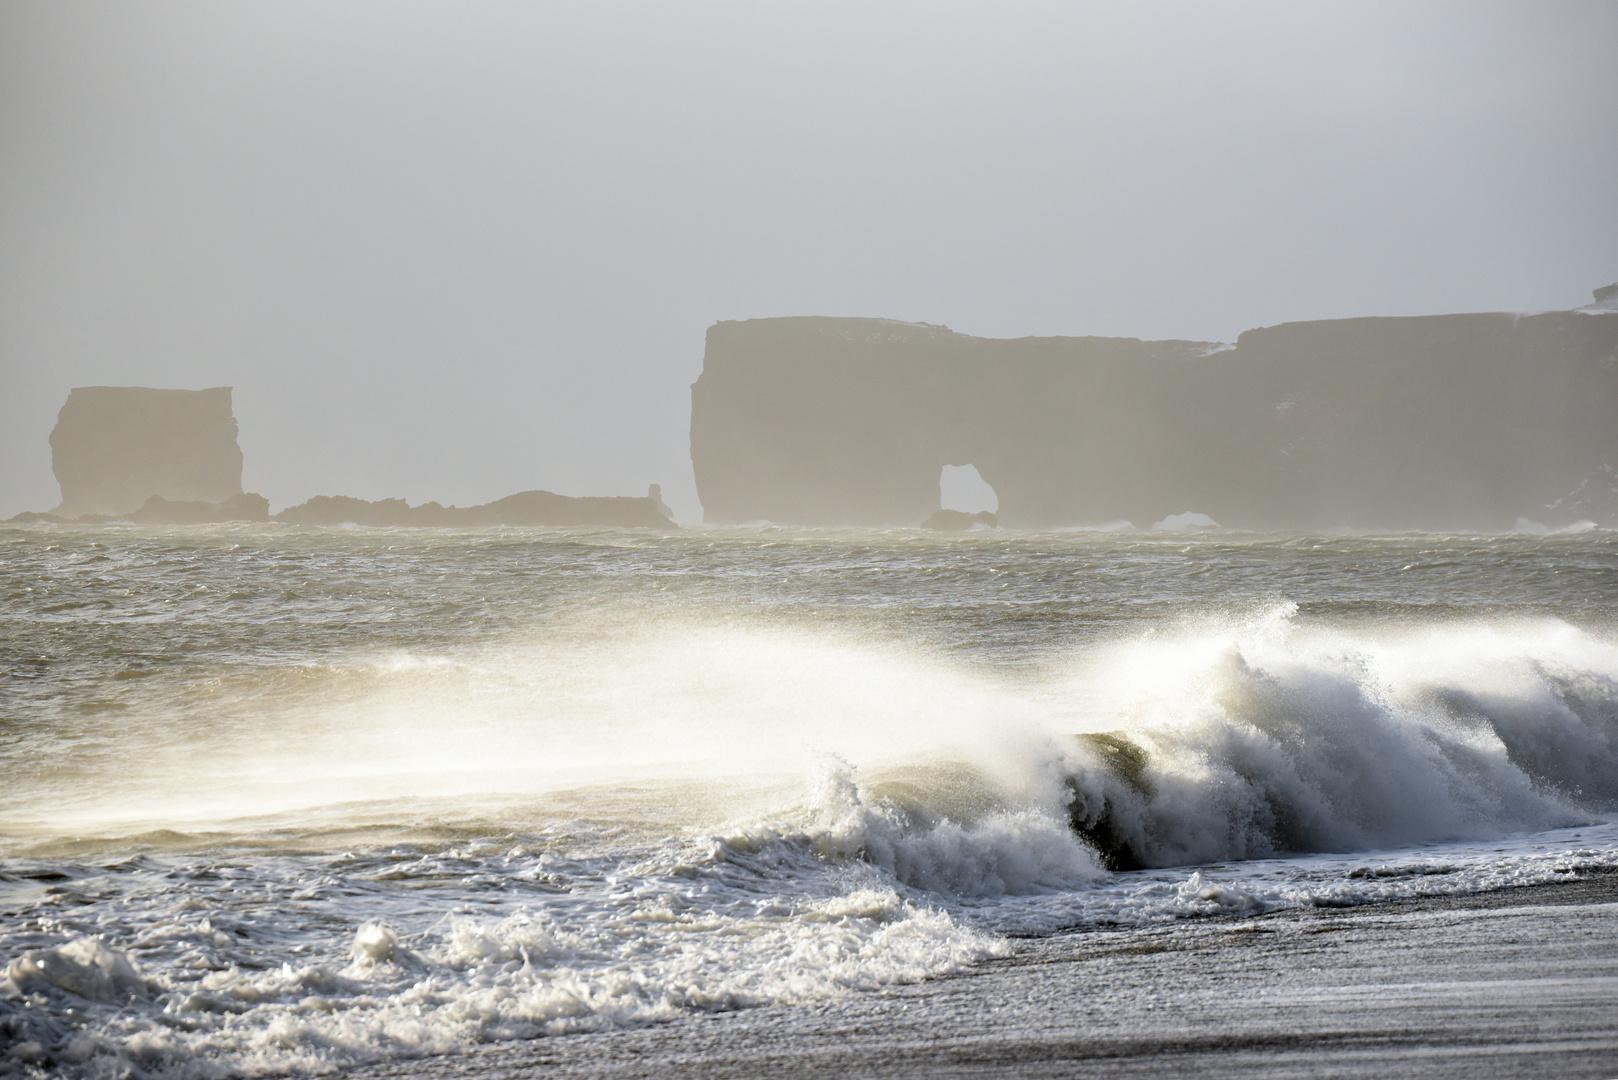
(161, 511)
(1438, 422)
(115, 447)
(523, 508)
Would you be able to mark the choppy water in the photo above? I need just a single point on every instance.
(280, 799)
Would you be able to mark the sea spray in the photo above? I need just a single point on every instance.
(1261, 739)
(306, 799)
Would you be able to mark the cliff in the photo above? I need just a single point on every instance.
(524, 508)
(114, 447)
(1441, 422)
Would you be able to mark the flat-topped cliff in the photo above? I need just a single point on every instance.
(114, 447)
(1441, 422)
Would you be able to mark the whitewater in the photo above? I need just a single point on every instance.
(287, 801)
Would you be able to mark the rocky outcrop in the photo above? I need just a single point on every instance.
(524, 508)
(160, 511)
(170, 457)
(1441, 422)
(114, 447)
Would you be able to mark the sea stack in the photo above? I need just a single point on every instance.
(1387, 424)
(114, 447)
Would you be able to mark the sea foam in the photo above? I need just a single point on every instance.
(1265, 738)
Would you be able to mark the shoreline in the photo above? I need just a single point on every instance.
(1513, 982)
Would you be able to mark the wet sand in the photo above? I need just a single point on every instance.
(1516, 983)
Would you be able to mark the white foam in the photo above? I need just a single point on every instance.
(1029, 849)
(1186, 522)
(939, 825)
(85, 968)
(1264, 738)
(1349, 880)
(471, 980)
(1534, 528)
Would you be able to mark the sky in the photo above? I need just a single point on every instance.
(456, 250)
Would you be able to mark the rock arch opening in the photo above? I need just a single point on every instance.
(961, 488)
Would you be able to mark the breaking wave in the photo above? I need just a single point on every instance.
(945, 811)
(1269, 739)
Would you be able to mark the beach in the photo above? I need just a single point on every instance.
(1511, 983)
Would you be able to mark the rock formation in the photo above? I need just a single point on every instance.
(169, 457)
(1440, 422)
(654, 492)
(161, 511)
(524, 508)
(114, 447)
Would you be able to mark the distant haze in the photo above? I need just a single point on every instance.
(453, 251)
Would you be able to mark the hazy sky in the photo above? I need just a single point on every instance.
(457, 250)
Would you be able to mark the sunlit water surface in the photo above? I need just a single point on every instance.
(286, 800)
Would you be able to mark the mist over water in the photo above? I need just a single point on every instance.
(225, 674)
(454, 253)
(287, 798)
(397, 758)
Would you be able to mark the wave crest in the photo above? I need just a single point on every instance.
(1272, 740)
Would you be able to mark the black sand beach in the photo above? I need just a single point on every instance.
(1519, 982)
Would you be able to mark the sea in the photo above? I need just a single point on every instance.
(284, 801)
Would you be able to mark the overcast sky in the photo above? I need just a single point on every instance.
(452, 251)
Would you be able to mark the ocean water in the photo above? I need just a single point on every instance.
(278, 800)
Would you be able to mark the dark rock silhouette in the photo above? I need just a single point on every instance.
(959, 520)
(524, 508)
(1440, 422)
(655, 493)
(114, 447)
(170, 457)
